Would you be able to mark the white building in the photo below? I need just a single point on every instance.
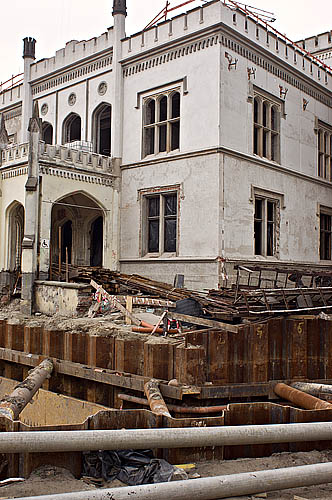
(206, 137)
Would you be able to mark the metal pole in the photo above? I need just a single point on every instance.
(312, 388)
(210, 488)
(300, 398)
(12, 405)
(191, 437)
(155, 399)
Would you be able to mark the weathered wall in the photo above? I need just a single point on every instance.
(53, 297)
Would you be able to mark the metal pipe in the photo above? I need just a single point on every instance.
(313, 389)
(155, 399)
(177, 409)
(190, 437)
(301, 398)
(12, 405)
(210, 488)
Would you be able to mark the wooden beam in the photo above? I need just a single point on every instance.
(203, 322)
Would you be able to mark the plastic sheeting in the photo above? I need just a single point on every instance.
(128, 466)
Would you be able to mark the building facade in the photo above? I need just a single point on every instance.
(203, 140)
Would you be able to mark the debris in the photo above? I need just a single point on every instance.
(155, 399)
(132, 467)
(300, 398)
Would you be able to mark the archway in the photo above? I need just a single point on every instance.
(71, 128)
(47, 133)
(102, 129)
(76, 232)
(15, 236)
(96, 245)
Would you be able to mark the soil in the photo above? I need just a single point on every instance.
(51, 480)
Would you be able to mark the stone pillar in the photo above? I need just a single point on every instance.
(31, 229)
(119, 14)
(29, 57)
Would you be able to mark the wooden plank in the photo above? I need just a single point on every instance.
(114, 301)
(129, 307)
(203, 321)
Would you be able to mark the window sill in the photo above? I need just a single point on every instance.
(164, 255)
(164, 154)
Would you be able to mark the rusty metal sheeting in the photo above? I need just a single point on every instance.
(155, 399)
(300, 398)
(12, 405)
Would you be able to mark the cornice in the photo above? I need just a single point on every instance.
(230, 152)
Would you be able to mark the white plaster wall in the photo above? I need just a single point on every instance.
(199, 209)
(299, 221)
(65, 109)
(199, 109)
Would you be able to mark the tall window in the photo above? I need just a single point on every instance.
(72, 128)
(325, 152)
(265, 226)
(161, 223)
(325, 236)
(47, 133)
(161, 129)
(102, 129)
(266, 128)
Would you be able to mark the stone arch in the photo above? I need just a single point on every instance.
(73, 225)
(15, 216)
(47, 133)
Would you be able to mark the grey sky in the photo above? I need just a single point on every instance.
(53, 23)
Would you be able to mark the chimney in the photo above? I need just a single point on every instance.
(29, 48)
(119, 7)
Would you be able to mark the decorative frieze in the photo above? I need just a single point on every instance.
(72, 75)
(15, 172)
(76, 176)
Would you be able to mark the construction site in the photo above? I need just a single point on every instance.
(166, 294)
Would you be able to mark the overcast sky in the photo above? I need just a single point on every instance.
(53, 23)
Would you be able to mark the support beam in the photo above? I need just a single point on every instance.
(137, 439)
(210, 488)
(12, 405)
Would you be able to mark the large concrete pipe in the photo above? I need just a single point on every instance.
(312, 388)
(300, 398)
(191, 437)
(211, 488)
(12, 405)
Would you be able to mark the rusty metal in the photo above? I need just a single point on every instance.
(204, 410)
(155, 399)
(300, 398)
(312, 388)
(12, 405)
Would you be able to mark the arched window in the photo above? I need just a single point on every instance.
(161, 131)
(47, 133)
(15, 234)
(102, 129)
(71, 128)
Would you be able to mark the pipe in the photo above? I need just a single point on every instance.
(155, 399)
(313, 389)
(300, 398)
(210, 488)
(136, 439)
(147, 329)
(12, 405)
(177, 409)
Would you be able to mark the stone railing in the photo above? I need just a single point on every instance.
(58, 156)
(64, 156)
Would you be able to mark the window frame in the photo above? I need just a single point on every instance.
(277, 199)
(266, 136)
(145, 196)
(324, 151)
(325, 235)
(158, 124)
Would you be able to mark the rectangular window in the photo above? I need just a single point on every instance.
(324, 152)
(325, 236)
(266, 133)
(161, 223)
(265, 226)
(161, 123)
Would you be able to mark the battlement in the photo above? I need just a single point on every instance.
(231, 20)
(74, 52)
(318, 43)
